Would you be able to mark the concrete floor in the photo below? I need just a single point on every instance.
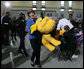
(48, 60)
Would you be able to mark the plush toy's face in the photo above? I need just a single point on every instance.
(45, 25)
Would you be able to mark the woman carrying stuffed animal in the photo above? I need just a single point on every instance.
(35, 40)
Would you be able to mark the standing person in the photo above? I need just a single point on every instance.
(13, 30)
(35, 40)
(6, 26)
(21, 23)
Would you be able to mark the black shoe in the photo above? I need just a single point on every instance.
(32, 64)
(38, 65)
(15, 39)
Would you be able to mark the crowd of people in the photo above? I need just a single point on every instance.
(12, 26)
(76, 26)
(73, 34)
(72, 38)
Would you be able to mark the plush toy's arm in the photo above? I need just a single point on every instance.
(48, 45)
(52, 40)
(33, 28)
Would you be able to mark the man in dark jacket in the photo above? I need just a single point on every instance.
(6, 26)
(21, 23)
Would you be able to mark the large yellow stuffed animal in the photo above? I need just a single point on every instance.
(46, 26)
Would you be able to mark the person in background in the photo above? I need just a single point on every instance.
(35, 40)
(21, 23)
(79, 35)
(3, 14)
(57, 20)
(13, 30)
(6, 27)
(63, 22)
(69, 44)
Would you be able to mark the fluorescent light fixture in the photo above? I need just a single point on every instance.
(42, 8)
(62, 10)
(62, 3)
(43, 2)
(33, 8)
(69, 10)
(34, 2)
(70, 3)
(7, 4)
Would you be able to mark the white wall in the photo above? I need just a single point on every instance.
(77, 7)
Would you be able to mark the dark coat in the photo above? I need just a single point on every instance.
(21, 27)
(6, 23)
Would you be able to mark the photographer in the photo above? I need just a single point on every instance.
(21, 23)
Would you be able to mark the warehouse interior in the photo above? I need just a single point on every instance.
(56, 9)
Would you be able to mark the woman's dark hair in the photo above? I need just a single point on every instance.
(31, 11)
(66, 27)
